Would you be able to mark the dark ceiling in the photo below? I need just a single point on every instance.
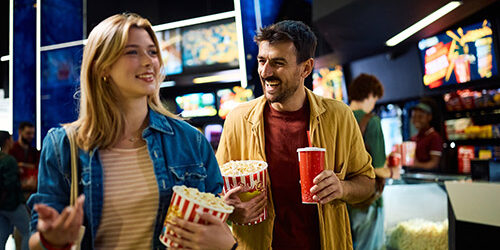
(356, 29)
(157, 11)
(351, 29)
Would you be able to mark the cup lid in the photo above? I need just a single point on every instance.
(310, 149)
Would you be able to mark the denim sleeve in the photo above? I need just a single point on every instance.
(53, 180)
(213, 182)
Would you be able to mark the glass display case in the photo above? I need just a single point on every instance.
(416, 211)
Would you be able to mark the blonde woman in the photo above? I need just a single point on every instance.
(131, 152)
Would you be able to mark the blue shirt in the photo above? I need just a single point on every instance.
(180, 154)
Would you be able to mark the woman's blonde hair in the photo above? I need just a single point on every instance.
(101, 121)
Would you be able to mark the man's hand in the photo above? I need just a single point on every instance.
(214, 235)
(327, 187)
(245, 212)
(26, 165)
(60, 229)
(29, 184)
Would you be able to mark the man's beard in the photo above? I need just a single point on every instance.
(25, 141)
(281, 96)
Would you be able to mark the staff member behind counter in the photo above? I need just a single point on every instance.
(429, 142)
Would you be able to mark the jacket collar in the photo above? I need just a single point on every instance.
(159, 122)
(255, 114)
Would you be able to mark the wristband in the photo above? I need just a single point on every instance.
(47, 246)
(235, 246)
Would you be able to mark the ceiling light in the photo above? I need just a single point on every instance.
(423, 23)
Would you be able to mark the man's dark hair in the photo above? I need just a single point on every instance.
(23, 125)
(364, 85)
(4, 136)
(301, 35)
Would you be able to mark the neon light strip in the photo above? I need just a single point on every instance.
(193, 21)
(258, 17)
(63, 45)
(241, 45)
(423, 23)
(38, 75)
(11, 65)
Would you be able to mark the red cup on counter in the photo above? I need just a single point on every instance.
(311, 164)
(408, 153)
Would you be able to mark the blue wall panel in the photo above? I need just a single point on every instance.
(60, 81)
(24, 83)
(61, 21)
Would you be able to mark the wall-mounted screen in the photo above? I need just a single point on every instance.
(196, 53)
(196, 105)
(170, 45)
(459, 55)
(230, 98)
(210, 44)
(329, 82)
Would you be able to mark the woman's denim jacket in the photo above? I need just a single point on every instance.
(180, 154)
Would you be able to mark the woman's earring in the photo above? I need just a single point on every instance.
(105, 79)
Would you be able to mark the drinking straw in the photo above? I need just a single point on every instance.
(309, 138)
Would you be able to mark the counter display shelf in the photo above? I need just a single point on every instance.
(418, 178)
(474, 214)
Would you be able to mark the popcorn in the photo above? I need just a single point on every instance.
(238, 168)
(207, 200)
(185, 203)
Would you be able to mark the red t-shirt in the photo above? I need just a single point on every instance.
(296, 224)
(31, 155)
(428, 143)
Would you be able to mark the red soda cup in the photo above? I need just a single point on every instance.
(311, 164)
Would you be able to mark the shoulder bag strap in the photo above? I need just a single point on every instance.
(364, 122)
(70, 131)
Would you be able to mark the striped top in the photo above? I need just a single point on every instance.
(130, 200)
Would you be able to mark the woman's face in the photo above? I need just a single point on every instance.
(135, 72)
(420, 119)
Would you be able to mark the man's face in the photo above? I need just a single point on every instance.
(27, 134)
(279, 73)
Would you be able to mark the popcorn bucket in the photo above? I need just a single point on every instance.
(250, 174)
(184, 203)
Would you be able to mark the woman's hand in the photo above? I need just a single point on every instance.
(60, 229)
(214, 235)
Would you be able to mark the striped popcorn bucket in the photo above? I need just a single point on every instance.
(256, 182)
(185, 208)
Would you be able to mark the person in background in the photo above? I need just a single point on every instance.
(367, 220)
(27, 158)
(272, 127)
(13, 212)
(429, 142)
(132, 151)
